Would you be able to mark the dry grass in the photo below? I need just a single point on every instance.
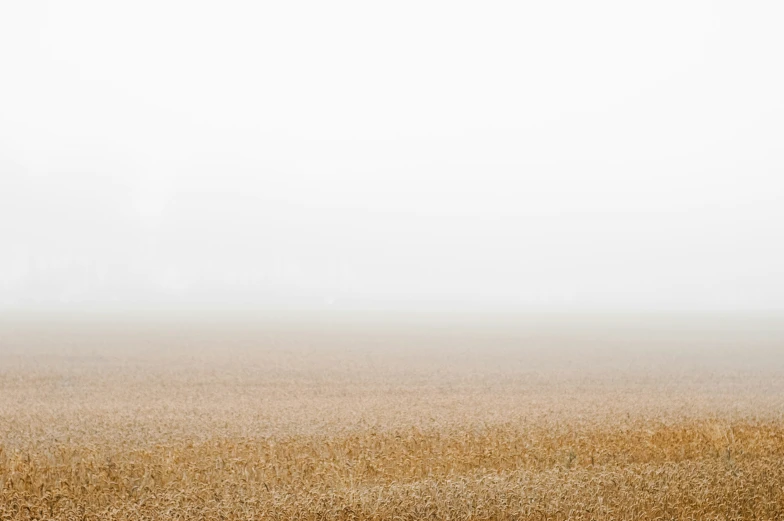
(436, 420)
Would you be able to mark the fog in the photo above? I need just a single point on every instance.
(559, 155)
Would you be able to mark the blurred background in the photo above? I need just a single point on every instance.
(547, 156)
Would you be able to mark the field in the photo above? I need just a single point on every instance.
(392, 418)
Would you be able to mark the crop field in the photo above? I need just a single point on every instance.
(396, 418)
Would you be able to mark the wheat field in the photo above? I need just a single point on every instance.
(402, 418)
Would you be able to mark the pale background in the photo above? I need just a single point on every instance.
(560, 155)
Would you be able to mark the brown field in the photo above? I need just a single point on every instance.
(400, 419)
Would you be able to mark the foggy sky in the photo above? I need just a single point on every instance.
(557, 155)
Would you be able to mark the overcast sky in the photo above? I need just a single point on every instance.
(546, 155)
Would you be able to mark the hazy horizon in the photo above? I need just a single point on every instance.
(558, 156)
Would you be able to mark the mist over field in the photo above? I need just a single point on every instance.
(360, 261)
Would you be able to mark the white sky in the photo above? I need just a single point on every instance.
(534, 155)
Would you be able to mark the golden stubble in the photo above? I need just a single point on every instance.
(390, 421)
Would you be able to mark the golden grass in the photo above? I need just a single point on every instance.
(399, 421)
